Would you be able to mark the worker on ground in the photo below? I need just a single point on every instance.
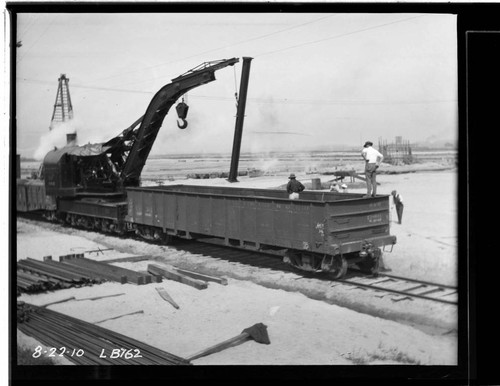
(343, 188)
(398, 203)
(294, 187)
(372, 159)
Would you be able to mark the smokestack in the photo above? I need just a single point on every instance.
(240, 116)
(71, 139)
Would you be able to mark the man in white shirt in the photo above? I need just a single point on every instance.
(372, 161)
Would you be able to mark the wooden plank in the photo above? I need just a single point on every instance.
(58, 301)
(154, 278)
(201, 276)
(164, 294)
(127, 259)
(101, 297)
(120, 316)
(172, 274)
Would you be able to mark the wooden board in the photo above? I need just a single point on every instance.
(172, 274)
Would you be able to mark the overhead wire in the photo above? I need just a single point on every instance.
(29, 24)
(338, 36)
(264, 100)
(287, 100)
(25, 51)
(212, 50)
(305, 43)
(87, 87)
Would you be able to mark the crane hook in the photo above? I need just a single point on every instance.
(184, 124)
(182, 110)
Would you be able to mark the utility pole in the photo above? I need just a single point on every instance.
(240, 116)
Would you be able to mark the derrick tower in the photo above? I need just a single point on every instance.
(63, 110)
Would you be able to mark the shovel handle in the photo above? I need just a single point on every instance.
(220, 346)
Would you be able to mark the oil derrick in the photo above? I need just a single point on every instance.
(63, 109)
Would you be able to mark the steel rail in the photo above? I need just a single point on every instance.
(399, 292)
(72, 331)
(57, 268)
(97, 342)
(116, 337)
(92, 345)
(417, 281)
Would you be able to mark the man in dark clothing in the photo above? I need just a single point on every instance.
(398, 202)
(294, 187)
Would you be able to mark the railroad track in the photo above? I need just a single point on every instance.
(402, 288)
(397, 288)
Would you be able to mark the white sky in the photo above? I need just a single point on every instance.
(329, 79)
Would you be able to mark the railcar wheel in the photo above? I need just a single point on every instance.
(303, 261)
(338, 266)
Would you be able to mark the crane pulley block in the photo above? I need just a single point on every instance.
(182, 110)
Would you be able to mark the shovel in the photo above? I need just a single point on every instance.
(257, 332)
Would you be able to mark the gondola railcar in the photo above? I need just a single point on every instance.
(322, 231)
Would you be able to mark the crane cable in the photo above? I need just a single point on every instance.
(235, 86)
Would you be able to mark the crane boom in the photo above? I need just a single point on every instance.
(108, 167)
(129, 151)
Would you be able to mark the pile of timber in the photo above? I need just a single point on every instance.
(72, 271)
(191, 278)
(86, 343)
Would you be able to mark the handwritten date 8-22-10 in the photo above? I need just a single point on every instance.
(63, 351)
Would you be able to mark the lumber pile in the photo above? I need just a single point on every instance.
(86, 343)
(191, 278)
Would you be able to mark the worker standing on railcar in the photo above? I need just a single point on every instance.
(398, 203)
(294, 187)
(372, 158)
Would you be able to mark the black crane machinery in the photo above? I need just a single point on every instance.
(107, 168)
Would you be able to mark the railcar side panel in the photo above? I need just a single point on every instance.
(323, 223)
(95, 209)
(219, 216)
(21, 197)
(30, 196)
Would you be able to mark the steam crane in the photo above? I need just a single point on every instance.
(105, 169)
